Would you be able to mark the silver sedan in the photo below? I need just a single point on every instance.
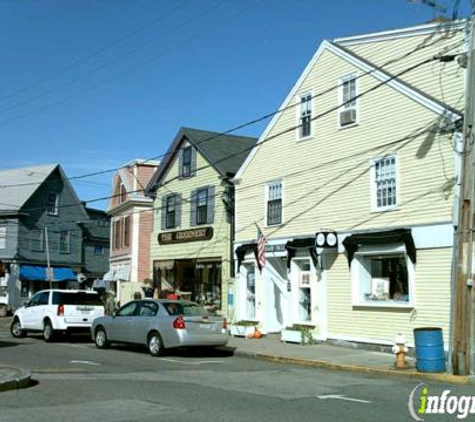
(160, 325)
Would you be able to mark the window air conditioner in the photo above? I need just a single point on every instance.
(347, 117)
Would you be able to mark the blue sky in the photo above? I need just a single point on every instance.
(93, 84)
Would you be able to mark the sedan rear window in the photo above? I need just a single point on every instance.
(62, 298)
(174, 308)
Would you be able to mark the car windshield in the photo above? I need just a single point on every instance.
(175, 308)
(81, 298)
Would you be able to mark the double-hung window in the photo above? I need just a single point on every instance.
(202, 206)
(122, 194)
(348, 94)
(126, 235)
(186, 161)
(37, 240)
(53, 203)
(65, 241)
(305, 121)
(384, 183)
(274, 203)
(170, 212)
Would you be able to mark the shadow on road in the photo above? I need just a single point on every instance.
(8, 344)
(185, 352)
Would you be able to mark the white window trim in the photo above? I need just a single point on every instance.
(372, 180)
(356, 266)
(266, 200)
(341, 108)
(295, 272)
(55, 212)
(298, 100)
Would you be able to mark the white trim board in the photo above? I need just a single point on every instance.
(326, 45)
(402, 32)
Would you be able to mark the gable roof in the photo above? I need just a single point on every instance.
(225, 153)
(18, 185)
(404, 88)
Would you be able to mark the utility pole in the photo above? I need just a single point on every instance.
(463, 327)
(49, 275)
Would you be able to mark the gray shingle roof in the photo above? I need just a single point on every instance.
(18, 185)
(225, 153)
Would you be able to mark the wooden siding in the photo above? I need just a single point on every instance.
(219, 245)
(438, 80)
(431, 302)
(326, 179)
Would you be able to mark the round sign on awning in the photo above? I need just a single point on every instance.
(326, 239)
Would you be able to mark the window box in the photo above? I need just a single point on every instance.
(243, 328)
(298, 333)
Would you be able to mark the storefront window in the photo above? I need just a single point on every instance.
(304, 291)
(250, 291)
(383, 279)
(207, 290)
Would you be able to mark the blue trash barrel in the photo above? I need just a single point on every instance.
(429, 349)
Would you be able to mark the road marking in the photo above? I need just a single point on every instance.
(85, 362)
(73, 345)
(104, 411)
(341, 397)
(199, 362)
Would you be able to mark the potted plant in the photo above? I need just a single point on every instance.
(242, 328)
(298, 333)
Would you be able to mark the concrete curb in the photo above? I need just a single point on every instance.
(16, 378)
(409, 373)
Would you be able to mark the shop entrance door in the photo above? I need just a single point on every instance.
(250, 292)
(185, 276)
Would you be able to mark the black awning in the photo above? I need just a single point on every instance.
(353, 242)
(292, 246)
(243, 249)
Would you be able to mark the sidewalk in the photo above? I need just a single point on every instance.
(11, 378)
(334, 357)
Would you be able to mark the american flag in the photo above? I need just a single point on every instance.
(261, 248)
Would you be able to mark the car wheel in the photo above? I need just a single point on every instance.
(16, 329)
(155, 344)
(48, 332)
(100, 338)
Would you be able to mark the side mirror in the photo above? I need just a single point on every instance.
(26, 303)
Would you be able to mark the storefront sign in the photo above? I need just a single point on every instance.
(275, 248)
(183, 236)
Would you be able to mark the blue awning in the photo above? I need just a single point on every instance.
(38, 272)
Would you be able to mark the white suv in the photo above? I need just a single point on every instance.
(54, 311)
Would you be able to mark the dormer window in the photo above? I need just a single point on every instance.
(53, 203)
(186, 160)
(122, 194)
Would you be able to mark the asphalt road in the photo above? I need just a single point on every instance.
(73, 381)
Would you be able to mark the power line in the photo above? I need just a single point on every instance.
(112, 60)
(128, 71)
(291, 129)
(96, 53)
(255, 121)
